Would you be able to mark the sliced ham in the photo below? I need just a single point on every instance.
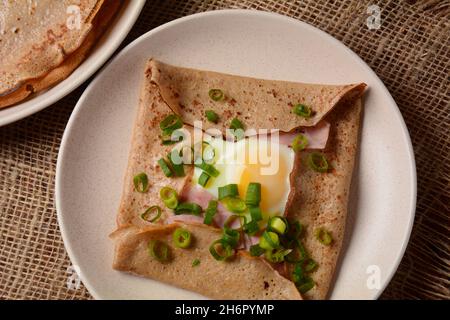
(317, 136)
(200, 196)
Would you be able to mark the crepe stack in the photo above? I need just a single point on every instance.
(317, 200)
(42, 42)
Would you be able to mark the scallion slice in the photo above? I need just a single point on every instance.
(324, 236)
(255, 213)
(182, 238)
(203, 179)
(317, 162)
(231, 237)
(251, 227)
(169, 196)
(220, 250)
(269, 240)
(210, 212)
(302, 110)
(216, 94)
(165, 167)
(277, 224)
(253, 195)
(208, 168)
(140, 182)
(178, 168)
(276, 255)
(195, 262)
(211, 116)
(152, 214)
(158, 250)
(299, 143)
(306, 285)
(188, 208)
(238, 129)
(229, 190)
(256, 250)
(310, 265)
(170, 123)
(234, 205)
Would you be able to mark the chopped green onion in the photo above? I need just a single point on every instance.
(216, 94)
(196, 262)
(269, 240)
(299, 143)
(140, 182)
(251, 227)
(317, 162)
(295, 230)
(169, 196)
(147, 215)
(306, 285)
(182, 238)
(208, 168)
(255, 213)
(158, 250)
(231, 237)
(303, 282)
(211, 116)
(234, 205)
(203, 179)
(170, 124)
(277, 224)
(302, 110)
(253, 195)
(220, 250)
(175, 137)
(210, 212)
(178, 168)
(188, 208)
(238, 128)
(323, 236)
(298, 253)
(276, 255)
(229, 190)
(236, 124)
(208, 153)
(310, 265)
(256, 250)
(165, 167)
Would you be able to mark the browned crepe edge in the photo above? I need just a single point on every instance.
(321, 199)
(258, 103)
(104, 13)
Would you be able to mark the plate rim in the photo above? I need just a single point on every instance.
(132, 12)
(72, 119)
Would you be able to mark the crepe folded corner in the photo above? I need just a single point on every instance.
(44, 41)
(244, 277)
(315, 199)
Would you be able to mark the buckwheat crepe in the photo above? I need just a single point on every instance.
(42, 42)
(316, 199)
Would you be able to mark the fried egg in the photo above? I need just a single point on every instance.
(255, 159)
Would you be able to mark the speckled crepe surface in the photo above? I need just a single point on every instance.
(36, 37)
(244, 277)
(45, 47)
(409, 53)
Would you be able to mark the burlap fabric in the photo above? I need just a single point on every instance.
(410, 53)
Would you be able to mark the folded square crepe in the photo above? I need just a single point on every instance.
(316, 199)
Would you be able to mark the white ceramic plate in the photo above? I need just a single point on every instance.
(94, 150)
(110, 41)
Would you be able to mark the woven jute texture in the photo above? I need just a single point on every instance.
(409, 52)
